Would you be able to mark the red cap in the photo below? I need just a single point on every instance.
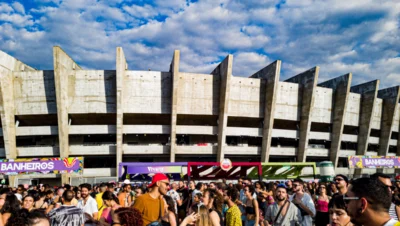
(158, 177)
(397, 178)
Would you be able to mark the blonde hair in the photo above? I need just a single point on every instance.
(204, 217)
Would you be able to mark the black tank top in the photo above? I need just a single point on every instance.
(164, 223)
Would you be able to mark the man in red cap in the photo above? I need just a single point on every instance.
(151, 204)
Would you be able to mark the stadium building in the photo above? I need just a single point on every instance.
(109, 116)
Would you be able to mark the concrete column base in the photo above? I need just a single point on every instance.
(65, 178)
(357, 173)
(12, 181)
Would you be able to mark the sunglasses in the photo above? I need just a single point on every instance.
(338, 179)
(295, 185)
(391, 187)
(347, 199)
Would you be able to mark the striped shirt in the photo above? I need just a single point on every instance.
(392, 212)
(66, 216)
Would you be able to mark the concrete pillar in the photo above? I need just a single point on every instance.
(271, 75)
(341, 87)
(224, 72)
(64, 66)
(7, 113)
(174, 70)
(390, 98)
(8, 65)
(307, 84)
(122, 66)
(398, 146)
(369, 92)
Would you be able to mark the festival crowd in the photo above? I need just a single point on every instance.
(373, 201)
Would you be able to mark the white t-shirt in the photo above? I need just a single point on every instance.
(90, 207)
(175, 196)
(309, 203)
(19, 196)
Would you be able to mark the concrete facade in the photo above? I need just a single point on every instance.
(307, 82)
(112, 116)
(271, 76)
(341, 87)
(369, 94)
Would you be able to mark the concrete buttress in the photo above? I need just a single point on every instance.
(224, 72)
(271, 75)
(341, 86)
(174, 70)
(307, 82)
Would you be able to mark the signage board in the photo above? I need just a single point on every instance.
(154, 169)
(226, 164)
(41, 166)
(364, 162)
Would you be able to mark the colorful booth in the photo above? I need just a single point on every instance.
(284, 170)
(140, 171)
(215, 170)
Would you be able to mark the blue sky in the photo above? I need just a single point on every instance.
(340, 36)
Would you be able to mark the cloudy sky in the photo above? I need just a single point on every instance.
(340, 36)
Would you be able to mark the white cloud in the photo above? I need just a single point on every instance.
(45, 9)
(341, 55)
(360, 36)
(146, 11)
(17, 19)
(5, 8)
(48, 1)
(394, 77)
(18, 7)
(247, 63)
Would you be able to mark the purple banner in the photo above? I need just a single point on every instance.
(360, 162)
(44, 165)
(154, 169)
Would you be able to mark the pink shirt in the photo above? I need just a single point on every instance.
(107, 214)
(322, 206)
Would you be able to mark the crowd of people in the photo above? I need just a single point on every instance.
(369, 201)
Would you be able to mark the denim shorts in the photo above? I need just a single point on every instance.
(250, 223)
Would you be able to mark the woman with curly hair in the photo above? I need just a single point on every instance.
(213, 200)
(125, 216)
(10, 208)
